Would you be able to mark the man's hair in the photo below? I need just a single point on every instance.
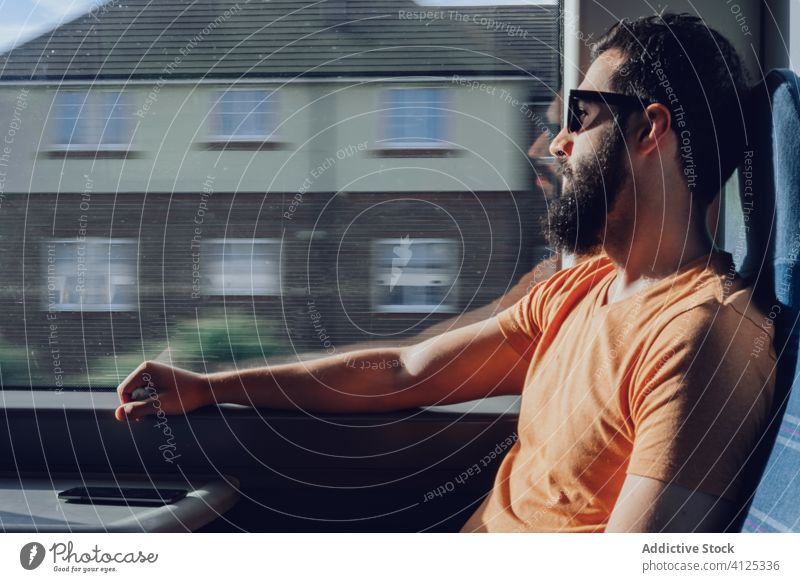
(677, 60)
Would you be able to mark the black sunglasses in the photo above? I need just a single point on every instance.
(574, 122)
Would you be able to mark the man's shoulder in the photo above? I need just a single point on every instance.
(727, 344)
(735, 320)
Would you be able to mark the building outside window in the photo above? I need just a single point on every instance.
(129, 105)
(415, 275)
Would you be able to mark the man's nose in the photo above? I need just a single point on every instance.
(561, 145)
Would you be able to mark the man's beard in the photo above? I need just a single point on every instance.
(576, 220)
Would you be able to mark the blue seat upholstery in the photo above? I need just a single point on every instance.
(771, 260)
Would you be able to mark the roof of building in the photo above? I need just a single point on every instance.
(229, 39)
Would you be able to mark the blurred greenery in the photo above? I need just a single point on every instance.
(214, 342)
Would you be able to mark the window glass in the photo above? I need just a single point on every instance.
(219, 184)
(92, 120)
(415, 276)
(91, 275)
(68, 109)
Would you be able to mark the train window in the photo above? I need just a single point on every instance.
(176, 169)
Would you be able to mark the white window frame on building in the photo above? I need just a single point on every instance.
(88, 116)
(92, 275)
(244, 118)
(399, 271)
(415, 118)
(223, 276)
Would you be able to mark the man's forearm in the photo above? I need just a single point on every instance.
(361, 381)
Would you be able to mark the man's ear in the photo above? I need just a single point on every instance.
(655, 127)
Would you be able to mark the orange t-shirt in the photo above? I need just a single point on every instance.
(674, 383)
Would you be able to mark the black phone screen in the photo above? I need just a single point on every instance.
(129, 495)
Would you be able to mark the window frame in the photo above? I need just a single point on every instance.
(88, 107)
(389, 145)
(109, 307)
(270, 135)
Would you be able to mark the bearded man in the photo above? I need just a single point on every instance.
(642, 394)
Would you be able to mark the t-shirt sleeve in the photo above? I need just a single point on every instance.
(699, 400)
(523, 323)
(519, 323)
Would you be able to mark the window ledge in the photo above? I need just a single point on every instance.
(416, 152)
(242, 145)
(87, 308)
(107, 402)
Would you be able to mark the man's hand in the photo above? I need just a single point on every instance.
(154, 386)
